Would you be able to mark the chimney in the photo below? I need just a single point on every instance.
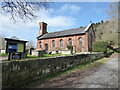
(43, 28)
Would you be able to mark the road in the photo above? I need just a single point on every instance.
(3, 58)
(103, 76)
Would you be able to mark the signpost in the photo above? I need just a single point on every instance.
(15, 48)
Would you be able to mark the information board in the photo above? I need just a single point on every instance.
(15, 47)
(20, 47)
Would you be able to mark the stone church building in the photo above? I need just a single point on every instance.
(80, 38)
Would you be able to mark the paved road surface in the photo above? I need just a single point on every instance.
(3, 58)
(104, 76)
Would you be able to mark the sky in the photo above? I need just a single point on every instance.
(60, 16)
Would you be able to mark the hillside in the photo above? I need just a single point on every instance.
(107, 31)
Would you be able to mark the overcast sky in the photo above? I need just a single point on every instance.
(59, 17)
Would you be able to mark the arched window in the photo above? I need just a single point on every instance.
(80, 41)
(61, 43)
(53, 43)
(46, 46)
(40, 44)
(70, 41)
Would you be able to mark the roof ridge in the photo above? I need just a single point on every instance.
(68, 29)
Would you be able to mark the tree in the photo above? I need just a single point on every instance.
(100, 46)
(23, 9)
(114, 14)
(15, 37)
(2, 42)
(114, 9)
(70, 47)
(107, 31)
(30, 44)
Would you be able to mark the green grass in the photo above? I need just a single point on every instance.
(36, 57)
(54, 55)
(3, 54)
(30, 56)
(47, 55)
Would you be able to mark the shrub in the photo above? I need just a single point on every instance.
(100, 46)
(70, 47)
(3, 54)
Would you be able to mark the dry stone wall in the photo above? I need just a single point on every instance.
(20, 73)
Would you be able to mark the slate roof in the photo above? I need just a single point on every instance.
(69, 32)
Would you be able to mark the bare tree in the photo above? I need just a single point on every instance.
(23, 9)
(2, 42)
(113, 10)
(30, 44)
(15, 37)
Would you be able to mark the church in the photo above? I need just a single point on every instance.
(80, 38)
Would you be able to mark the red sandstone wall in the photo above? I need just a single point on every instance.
(75, 40)
(88, 39)
(91, 38)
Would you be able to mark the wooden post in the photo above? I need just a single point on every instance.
(20, 55)
(9, 56)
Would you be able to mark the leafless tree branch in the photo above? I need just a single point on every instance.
(114, 9)
(23, 9)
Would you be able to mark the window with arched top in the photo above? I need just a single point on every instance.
(80, 40)
(70, 41)
(80, 43)
(40, 44)
(53, 43)
(61, 43)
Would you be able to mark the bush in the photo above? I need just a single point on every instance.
(3, 54)
(70, 47)
(118, 50)
(100, 46)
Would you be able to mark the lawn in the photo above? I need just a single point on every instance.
(54, 55)
(47, 55)
(36, 57)
(3, 54)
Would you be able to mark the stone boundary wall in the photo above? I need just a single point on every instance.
(20, 73)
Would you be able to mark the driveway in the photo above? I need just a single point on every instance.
(103, 76)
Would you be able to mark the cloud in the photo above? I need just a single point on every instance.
(73, 9)
(8, 25)
(29, 30)
(58, 21)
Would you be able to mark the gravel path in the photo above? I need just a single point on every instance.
(103, 76)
